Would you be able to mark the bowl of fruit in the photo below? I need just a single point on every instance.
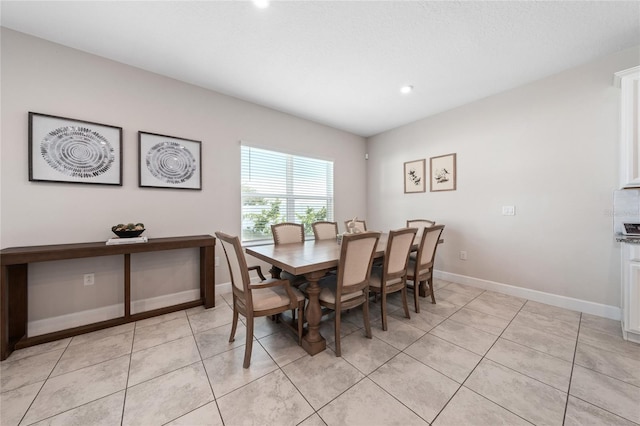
(129, 230)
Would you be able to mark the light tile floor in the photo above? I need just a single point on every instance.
(476, 357)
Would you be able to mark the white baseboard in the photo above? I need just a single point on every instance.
(76, 319)
(165, 300)
(598, 309)
(606, 311)
(90, 316)
(223, 288)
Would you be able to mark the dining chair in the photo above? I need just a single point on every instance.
(420, 224)
(349, 287)
(360, 225)
(323, 230)
(420, 268)
(266, 298)
(392, 276)
(287, 233)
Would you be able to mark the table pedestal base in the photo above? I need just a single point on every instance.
(313, 342)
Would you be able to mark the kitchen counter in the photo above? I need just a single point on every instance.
(629, 239)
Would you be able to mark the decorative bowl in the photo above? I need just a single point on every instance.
(129, 234)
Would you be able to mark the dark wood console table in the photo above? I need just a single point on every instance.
(13, 292)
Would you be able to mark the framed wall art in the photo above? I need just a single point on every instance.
(443, 173)
(74, 151)
(169, 162)
(414, 172)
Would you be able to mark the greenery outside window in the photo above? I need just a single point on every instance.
(279, 187)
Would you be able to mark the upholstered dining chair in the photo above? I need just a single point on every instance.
(393, 274)
(361, 225)
(349, 287)
(287, 233)
(266, 298)
(420, 224)
(325, 230)
(420, 268)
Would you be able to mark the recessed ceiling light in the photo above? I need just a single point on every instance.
(406, 89)
(261, 4)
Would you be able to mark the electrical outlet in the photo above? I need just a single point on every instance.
(89, 279)
(217, 261)
(463, 255)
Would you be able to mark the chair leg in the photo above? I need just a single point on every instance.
(249, 343)
(383, 309)
(336, 331)
(415, 297)
(234, 325)
(404, 302)
(365, 317)
(430, 283)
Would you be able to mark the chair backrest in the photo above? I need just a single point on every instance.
(420, 224)
(325, 230)
(356, 258)
(361, 225)
(396, 255)
(237, 267)
(287, 232)
(427, 249)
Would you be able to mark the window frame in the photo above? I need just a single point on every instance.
(289, 197)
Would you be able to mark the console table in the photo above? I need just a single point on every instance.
(13, 291)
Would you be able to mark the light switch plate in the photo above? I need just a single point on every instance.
(508, 210)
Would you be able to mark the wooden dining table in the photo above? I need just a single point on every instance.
(313, 259)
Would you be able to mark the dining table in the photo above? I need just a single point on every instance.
(313, 259)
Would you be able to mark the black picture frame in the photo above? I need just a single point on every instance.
(169, 162)
(69, 150)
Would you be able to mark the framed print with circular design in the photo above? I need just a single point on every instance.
(74, 151)
(169, 162)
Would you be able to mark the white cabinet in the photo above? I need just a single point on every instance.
(629, 81)
(631, 292)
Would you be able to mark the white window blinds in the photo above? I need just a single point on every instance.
(278, 187)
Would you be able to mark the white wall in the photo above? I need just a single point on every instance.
(47, 78)
(549, 148)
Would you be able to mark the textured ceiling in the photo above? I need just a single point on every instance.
(341, 63)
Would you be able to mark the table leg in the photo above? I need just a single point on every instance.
(207, 277)
(313, 342)
(14, 307)
(127, 285)
(423, 289)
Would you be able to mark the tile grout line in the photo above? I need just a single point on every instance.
(43, 384)
(402, 351)
(126, 385)
(206, 373)
(281, 368)
(573, 363)
(476, 366)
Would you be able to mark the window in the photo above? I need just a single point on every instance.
(278, 187)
